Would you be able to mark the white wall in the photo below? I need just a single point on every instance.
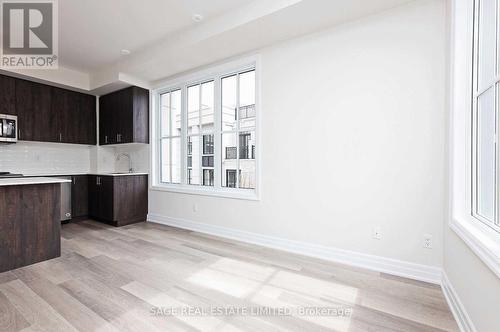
(353, 133)
(477, 287)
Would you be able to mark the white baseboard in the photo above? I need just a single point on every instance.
(376, 263)
(463, 320)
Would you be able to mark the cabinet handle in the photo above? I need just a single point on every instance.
(19, 134)
(74, 182)
(118, 137)
(106, 139)
(60, 137)
(97, 181)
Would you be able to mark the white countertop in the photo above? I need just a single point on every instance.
(53, 174)
(26, 181)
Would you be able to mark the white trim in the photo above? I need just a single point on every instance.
(245, 194)
(476, 236)
(396, 267)
(457, 308)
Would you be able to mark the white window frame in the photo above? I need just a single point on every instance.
(476, 93)
(483, 240)
(215, 73)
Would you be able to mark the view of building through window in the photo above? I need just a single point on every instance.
(234, 131)
(238, 130)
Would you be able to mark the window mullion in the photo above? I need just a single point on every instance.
(238, 131)
(217, 133)
(200, 139)
(497, 125)
(184, 116)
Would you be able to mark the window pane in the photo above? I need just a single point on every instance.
(193, 164)
(207, 106)
(247, 100)
(176, 160)
(208, 151)
(166, 163)
(247, 159)
(175, 118)
(171, 160)
(229, 103)
(486, 155)
(193, 109)
(247, 145)
(208, 144)
(171, 113)
(230, 178)
(487, 42)
(247, 88)
(229, 159)
(208, 177)
(165, 114)
(247, 174)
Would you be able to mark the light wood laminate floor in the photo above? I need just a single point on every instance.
(129, 278)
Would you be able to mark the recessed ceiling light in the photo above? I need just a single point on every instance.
(125, 52)
(197, 17)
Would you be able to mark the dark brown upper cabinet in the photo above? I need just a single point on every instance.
(124, 117)
(7, 95)
(75, 117)
(49, 114)
(36, 121)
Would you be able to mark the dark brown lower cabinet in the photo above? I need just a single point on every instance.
(118, 200)
(80, 196)
(30, 229)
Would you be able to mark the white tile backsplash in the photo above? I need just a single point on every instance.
(56, 158)
(139, 153)
(49, 158)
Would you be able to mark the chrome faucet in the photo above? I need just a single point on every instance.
(130, 169)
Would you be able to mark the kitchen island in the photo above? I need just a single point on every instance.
(30, 227)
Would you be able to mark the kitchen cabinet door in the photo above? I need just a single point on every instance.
(124, 116)
(93, 196)
(106, 194)
(131, 199)
(63, 108)
(80, 196)
(107, 119)
(7, 95)
(76, 118)
(36, 121)
(87, 122)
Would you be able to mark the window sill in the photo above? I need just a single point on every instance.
(481, 239)
(249, 195)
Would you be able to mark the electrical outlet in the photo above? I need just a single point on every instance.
(377, 233)
(427, 241)
(195, 207)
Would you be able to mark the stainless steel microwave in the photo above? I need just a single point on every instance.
(8, 128)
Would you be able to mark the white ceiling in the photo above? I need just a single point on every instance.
(165, 41)
(93, 32)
